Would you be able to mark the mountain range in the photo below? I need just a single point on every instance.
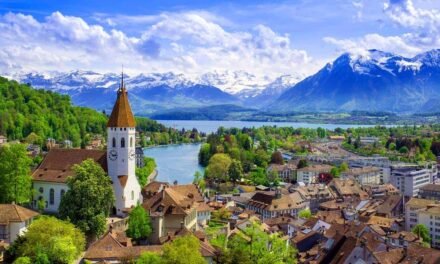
(374, 81)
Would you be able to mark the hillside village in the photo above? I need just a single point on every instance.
(374, 210)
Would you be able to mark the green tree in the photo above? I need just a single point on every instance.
(302, 164)
(277, 158)
(235, 171)
(149, 258)
(199, 180)
(89, 199)
(23, 260)
(259, 248)
(422, 232)
(204, 154)
(404, 150)
(305, 213)
(335, 172)
(139, 224)
(343, 167)
(143, 173)
(183, 250)
(218, 167)
(15, 174)
(58, 240)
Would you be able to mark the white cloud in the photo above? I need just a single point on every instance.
(182, 42)
(421, 25)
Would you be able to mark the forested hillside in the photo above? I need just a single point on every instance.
(24, 110)
(35, 115)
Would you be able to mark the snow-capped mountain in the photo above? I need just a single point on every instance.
(376, 81)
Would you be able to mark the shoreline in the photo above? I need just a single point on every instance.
(174, 144)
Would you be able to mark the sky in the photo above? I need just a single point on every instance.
(264, 38)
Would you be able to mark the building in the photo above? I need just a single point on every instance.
(140, 157)
(409, 179)
(173, 208)
(430, 191)
(49, 179)
(314, 195)
(426, 212)
(274, 204)
(14, 220)
(376, 161)
(369, 140)
(346, 188)
(286, 172)
(364, 175)
(310, 174)
(3, 140)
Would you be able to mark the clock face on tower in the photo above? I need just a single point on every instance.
(131, 155)
(113, 154)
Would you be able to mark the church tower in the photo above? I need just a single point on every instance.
(121, 156)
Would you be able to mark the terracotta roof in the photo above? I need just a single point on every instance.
(57, 164)
(407, 236)
(15, 213)
(268, 201)
(391, 202)
(108, 247)
(414, 254)
(420, 203)
(317, 168)
(121, 115)
(431, 187)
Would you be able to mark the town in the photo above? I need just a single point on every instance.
(317, 200)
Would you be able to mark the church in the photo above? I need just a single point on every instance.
(118, 161)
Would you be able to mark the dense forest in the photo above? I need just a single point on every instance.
(32, 115)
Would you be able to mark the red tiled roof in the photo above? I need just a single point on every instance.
(57, 164)
(15, 213)
(121, 115)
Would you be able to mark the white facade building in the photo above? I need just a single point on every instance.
(409, 179)
(426, 212)
(14, 221)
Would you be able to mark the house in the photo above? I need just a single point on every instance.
(273, 204)
(363, 175)
(286, 172)
(33, 150)
(337, 138)
(140, 157)
(426, 212)
(14, 220)
(115, 247)
(173, 208)
(50, 177)
(314, 195)
(430, 191)
(344, 188)
(403, 239)
(380, 190)
(391, 207)
(369, 140)
(203, 213)
(310, 174)
(3, 140)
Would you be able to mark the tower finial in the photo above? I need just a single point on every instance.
(122, 78)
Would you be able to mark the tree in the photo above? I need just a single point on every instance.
(305, 213)
(422, 232)
(218, 167)
(335, 172)
(259, 247)
(404, 150)
(221, 214)
(302, 164)
(23, 260)
(343, 167)
(258, 177)
(204, 154)
(52, 239)
(143, 173)
(139, 224)
(235, 171)
(149, 258)
(89, 199)
(15, 174)
(277, 158)
(183, 250)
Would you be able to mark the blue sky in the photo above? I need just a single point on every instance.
(266, 38)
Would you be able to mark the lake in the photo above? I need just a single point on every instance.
(180, 162)
(176, 162)
(209, 126)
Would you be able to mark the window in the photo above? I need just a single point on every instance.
(132, 195)
(62, 193)
(131, 142)
(41, 190)
(114, 142)
(52, 196)
(122, 142)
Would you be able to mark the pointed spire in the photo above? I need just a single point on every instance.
(121, 115)
(122, 85)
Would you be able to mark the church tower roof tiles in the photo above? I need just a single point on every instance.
(121, 115)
